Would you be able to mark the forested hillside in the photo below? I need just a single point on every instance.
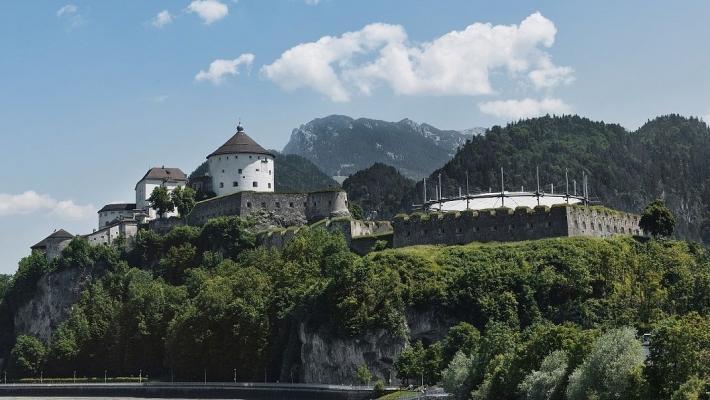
(380, 190)
(668, 157)
(517, 316)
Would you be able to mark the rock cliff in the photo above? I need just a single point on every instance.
(52, 302)
(325, 358)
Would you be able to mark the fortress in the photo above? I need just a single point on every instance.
(241, 175)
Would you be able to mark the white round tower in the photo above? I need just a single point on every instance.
(241, 164)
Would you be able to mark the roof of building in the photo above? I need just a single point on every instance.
(165, 174)
(118, 207)
(58, 234)
(240, 143)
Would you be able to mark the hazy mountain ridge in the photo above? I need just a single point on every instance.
(340, 145)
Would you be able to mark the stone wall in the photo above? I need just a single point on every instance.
(505, 224)
(360, 235)
(286, 209)
(127, 229)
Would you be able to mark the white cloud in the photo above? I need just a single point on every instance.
(208, 10)
(69, 9)
(457, 63)
(70, 13)
(219, 69)
(31, 202)
(525, 108)
(163, 18)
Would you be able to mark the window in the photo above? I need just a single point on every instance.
(290, 204)
(269, 172)
(249, 156)
(235, 184)
(263, 204)
(222, 171)
(255, 184)
(240, 171)
(257, 170)
(248, 204)
(221, 184)
(278, 205)
(269, 185)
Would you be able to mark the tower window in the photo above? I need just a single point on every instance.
(222, 171)
(240, 171)
(221, 184)
(290, 204)
(263, 204)
(255, 184)
(235, 184)
(249, 156)
(269, 172)
(248, 204)
(269, 185)
(257, 170)
(278, 205)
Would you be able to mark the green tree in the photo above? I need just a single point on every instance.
(410, 363)
(455, 377)
(464, 338)
(363, 375)
(543, 384)
(693, 389)
(679, 350)
(28, 355)
(184, 200)
(657, 219)
(356, 211)
(612, 370)
(161, 201)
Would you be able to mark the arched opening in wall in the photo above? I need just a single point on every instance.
(576, 224)
(584, 225)
(290, 204)
(600, 227)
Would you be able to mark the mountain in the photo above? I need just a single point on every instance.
(340, 145)
(665, 158)
(292, 173)
(380, 190)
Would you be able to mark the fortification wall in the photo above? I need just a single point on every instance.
(284, 209)
(592, 221)
(361, 236)
(505, 225)
(497, 225)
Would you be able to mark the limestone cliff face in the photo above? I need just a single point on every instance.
(51, 303)
(325, 358)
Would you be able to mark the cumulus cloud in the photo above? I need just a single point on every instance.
(457, 63)
(163, 18)
(31, 202)
(208, 10)
(525, 108)
(219, 69)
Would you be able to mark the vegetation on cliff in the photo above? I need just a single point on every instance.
(536, 319)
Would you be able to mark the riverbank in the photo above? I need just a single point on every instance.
(246, 391)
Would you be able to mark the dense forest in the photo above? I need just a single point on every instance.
(380, 190)
(667, 157)
(557, 318)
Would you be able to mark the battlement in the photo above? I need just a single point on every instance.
(286, 209)
(507, 224)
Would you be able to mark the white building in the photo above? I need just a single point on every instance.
(118, 211)
(168, 177)
(241, 164)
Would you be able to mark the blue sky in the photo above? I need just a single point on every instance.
(93, 93)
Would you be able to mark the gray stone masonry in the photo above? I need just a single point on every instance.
(506, 225)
